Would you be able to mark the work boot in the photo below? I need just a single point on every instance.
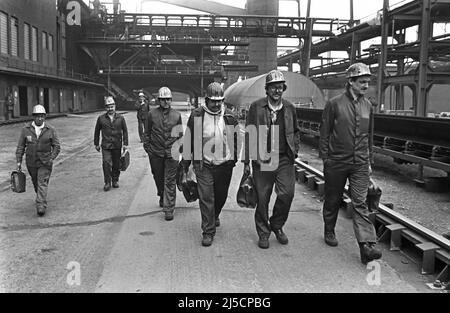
(369, 252)
(161, 201)
(107, 187)
(263, 242)
(168, 216)
(217, 222)
(207, 240)
(40, 211)
(281, 236)
(330, 238)
(115, 184)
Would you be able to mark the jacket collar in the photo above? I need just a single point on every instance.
(30, 125)
(265, 102)
(114, 116)
(352, 96)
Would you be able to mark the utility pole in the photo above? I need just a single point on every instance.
(299, 38)
(351, 13)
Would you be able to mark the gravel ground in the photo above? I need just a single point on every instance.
(429, 209)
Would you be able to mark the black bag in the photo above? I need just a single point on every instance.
(124, 160)
(18, 181)
(180, 173)
(189, 185)
(246, 196)
(373, 196)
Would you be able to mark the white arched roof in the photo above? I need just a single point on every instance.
(300, 90)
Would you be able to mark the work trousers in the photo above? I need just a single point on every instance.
(40, 177)
(111, 165)
(141, 128)
(336, 174)
(164, 170)
(284, 179)
(213, 182)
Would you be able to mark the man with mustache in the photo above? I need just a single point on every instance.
(114, 132)
(345, 147)
(214, 127)
(276, 142)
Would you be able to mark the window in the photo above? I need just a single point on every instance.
(26, 39)
(3, 33)
(44, 40)
(63, 48)
(14, 36)
(50, 42)
(34, 44)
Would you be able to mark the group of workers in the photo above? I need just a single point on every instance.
(210, 145)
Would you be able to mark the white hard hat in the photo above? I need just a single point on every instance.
(39, 109)
(358, 69)
(275, 76)
(214, 91)
(141, 94)
(164, 92)
(109, 100)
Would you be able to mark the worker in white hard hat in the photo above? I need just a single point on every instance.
(142, 107)
(158, 141)
(114, 139)
(345, 147)
(39, 141)
(213, 166)
(272, 151)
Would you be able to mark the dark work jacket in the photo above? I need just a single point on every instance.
(112, 132)
(39, 151)
(230, 120)
(259, 115)
(158, 138)
(142, 109)
(345, 130)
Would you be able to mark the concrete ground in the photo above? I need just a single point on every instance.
(92, 241)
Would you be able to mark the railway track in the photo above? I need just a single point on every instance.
(398, 231)
(407, 139)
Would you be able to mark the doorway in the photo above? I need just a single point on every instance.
(23, 100)
(46, 100)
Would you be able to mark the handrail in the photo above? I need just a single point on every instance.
(37, 68)
(267, 22)
(159, 70)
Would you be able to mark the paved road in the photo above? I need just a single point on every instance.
(92, 241)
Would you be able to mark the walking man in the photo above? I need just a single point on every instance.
(275, 147)
(114, 131)
(158, 141)
(39, 141)
(142, 107)
(346, 150)
(213, 127)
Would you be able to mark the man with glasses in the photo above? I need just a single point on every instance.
(158, 142)
(345, 147)
(41, 145)
(275, 144)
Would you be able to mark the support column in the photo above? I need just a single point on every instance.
(263, 51)
(306, 51)
(383, 54)
(400, 88)
(421, 105)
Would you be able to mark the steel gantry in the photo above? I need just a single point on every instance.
(173, 47)
(418, 64)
